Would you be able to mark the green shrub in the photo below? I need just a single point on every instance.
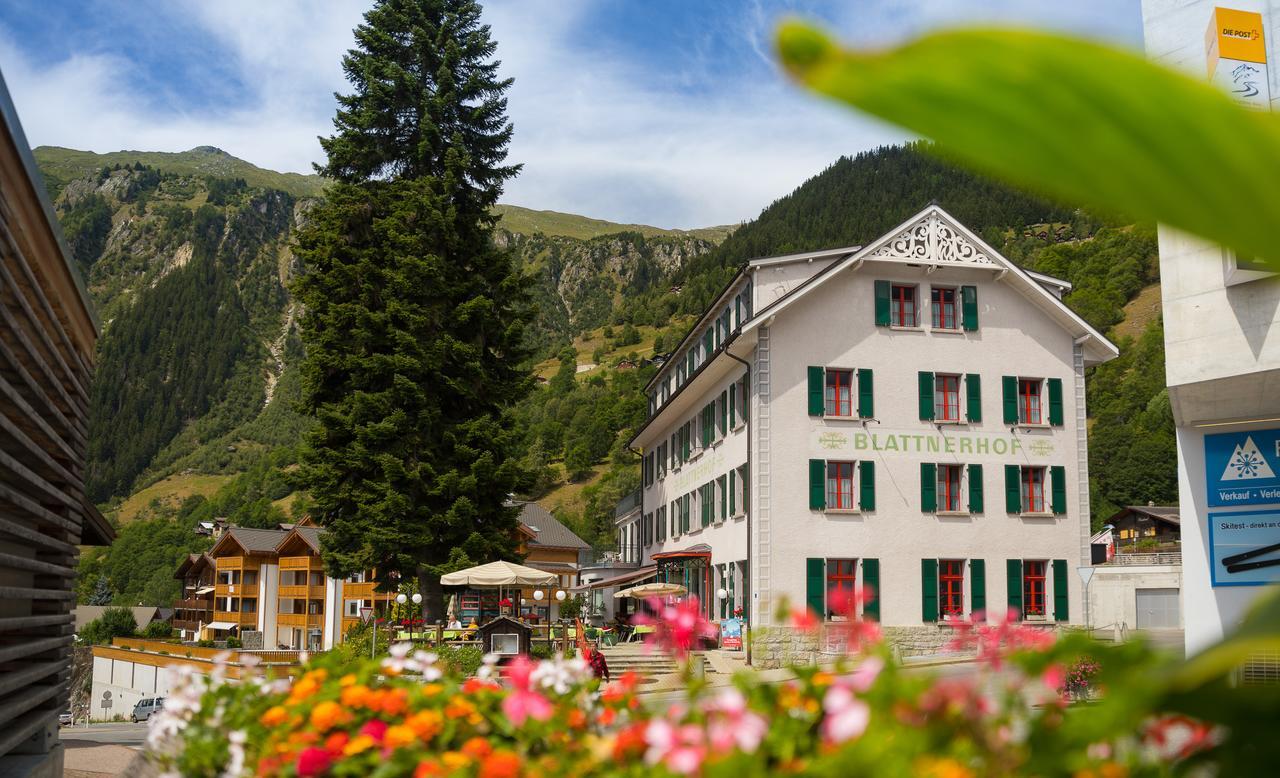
(158, 630)
(233, 643)
(113, 623)
(205, 643)
(463, 661)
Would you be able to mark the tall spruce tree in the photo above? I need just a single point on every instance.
(414, 323)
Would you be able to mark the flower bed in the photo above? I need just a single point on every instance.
(865, 715)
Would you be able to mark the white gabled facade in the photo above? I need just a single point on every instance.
(908, 415)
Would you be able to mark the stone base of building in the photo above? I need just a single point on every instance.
(783, 646)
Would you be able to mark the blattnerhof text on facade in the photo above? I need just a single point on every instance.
(906, 416)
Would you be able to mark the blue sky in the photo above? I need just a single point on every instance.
(663, 112)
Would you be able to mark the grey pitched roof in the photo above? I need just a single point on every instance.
(547, 529)
(311, 535)
(1167, 513)
(262, 541)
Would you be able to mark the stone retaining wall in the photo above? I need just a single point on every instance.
(782, 646)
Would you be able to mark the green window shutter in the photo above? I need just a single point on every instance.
(975, 489)
(882, 304)
(708, 424)
(724, 412)
(871, 585)
(746, 499)
(1058, 476)
(926, 396)
(866, 394)
(929, 589)
(969, 308)
(1010, 385)
(724, 498)
(1055, 402)
(973, 396)
(817, 405)
(977, 589)
(816, 586)
(708, 344)
(867, 486)
(928, 487)
(1013, 579)
(1060, 609)
(708, 502)
(733, 404)
(733, 496)
(817, 484)
(1012, 489)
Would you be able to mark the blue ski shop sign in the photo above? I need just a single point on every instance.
(1242, 468)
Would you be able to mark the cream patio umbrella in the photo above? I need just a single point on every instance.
(652, 590)
(499, 574)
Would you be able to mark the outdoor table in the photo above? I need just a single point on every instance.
(639, 631)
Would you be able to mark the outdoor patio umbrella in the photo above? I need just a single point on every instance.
(652, 590)
(499, 574)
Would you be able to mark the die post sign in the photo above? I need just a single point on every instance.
(1236, 53)
(1242, 468)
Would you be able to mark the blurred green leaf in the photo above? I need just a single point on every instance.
(1260, 632)
(1076, 120)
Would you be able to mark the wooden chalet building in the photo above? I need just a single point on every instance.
(47, 338)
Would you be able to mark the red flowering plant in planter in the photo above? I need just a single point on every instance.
(860, 713)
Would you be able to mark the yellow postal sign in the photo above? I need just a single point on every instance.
(1235, 35)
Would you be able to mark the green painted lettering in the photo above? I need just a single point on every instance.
(860, 441)
(984, 445)
(891, 443)
(999, 445)
(933, 444)
(949, 445)
(966, 445)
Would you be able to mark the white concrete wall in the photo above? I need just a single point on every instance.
(834, 326)
(1222, 352)
(775, 281)
(1113, 591)
(268, 604)
(727, 537)
(127, 682)
(332, 612)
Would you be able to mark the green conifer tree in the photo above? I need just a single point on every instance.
(414, 320)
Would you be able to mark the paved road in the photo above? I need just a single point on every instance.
(119, 733)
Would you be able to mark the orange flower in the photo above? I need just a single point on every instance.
(477, 748)
(459, 708)
(336, 742)
(358, 744)
(428, 768)
(356, 696)
(577, 719)
(454, 760)
(431, 689)
(275, 716)
(398, 735)
(942, 768)
(394, 702)
(425, 724)
(607, 716)
(500, 764)
(347, 680)
(325, 715)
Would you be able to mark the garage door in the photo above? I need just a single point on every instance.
(1158, 609)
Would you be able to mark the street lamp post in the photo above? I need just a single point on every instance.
(417, 607)
(401, 599)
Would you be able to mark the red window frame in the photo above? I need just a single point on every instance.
(946, 397)
(905, 309)
(1033, 588)
(944, 307)
(949, 487)
(1033, 490)
(842, 576)
(839, 393)
(951, 587)
(840, 486)
(1029, 401)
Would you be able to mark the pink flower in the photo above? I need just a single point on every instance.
(805, 620)
(996, 641)
(522, 702)
(847, 716)
(1178, 737)
(313, 762)
(1054, 678)
(678, 627)
(376, 729)
(682, 749)
(730, 725)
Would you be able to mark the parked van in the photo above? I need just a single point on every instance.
(143, 710)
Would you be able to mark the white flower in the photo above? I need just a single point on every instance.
(235, 765)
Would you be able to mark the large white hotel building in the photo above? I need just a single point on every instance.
(909, 415)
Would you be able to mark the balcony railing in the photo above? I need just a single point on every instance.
(365, 591)
(194, 604)
(303, 592)
(300, 619)
(301, 563)
(249, 617)
(1158, 558)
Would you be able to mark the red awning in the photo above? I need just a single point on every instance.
(700, 550)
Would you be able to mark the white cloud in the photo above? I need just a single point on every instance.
(598, 134)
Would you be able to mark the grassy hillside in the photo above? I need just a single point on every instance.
(527, 221)
(60, 165)
(167, 495)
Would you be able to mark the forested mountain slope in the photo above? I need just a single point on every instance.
(193, 411)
